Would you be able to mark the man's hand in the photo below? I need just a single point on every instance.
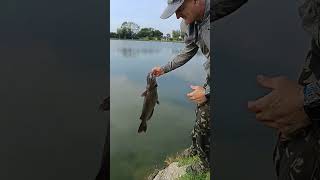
(197, 95)
(157, 71)
(282, 108)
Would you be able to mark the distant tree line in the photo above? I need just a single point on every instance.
(131, 30)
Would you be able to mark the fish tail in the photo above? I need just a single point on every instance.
(142, 127)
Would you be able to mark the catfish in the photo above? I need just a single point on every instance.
(150, 100)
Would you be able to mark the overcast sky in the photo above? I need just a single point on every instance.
(145, 13)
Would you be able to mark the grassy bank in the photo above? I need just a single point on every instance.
(188, 161)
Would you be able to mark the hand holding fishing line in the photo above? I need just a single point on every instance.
(197, 95)
(157, 71)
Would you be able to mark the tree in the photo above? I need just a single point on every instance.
(113, 35)
(145, 32)
(124, 33)
(128, 30)
(132, 26)
(182, 35)
(157, 34)
(176, 34)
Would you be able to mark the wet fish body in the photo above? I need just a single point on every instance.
(150, 100)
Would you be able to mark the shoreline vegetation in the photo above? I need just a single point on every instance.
(152, 40)
(176, 167)
(132, 31)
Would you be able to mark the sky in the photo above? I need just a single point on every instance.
(145, 13)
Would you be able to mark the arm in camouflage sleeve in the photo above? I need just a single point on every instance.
(312, 101)
(183, 57)
(207, 90)
(207, 87)
(309, 13)
(312, 90)
(221, 8)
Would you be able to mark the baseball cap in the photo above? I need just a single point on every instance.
(173, 5)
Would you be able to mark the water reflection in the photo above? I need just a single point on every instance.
(135, 52)
(175, 50)
(138, 153)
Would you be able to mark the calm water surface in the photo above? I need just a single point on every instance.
(134, 155)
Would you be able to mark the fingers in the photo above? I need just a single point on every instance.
(194, 87)
(193, 97)
(266, 82)
(260, 104)
(197, 100)
(153, 70)
(263, 116)
(285, 125)
(197, 95)
(157, 71)
(271, 110)
(264, 102)
(266, 120)
(197, 90)
(253, 107)
(191, 94)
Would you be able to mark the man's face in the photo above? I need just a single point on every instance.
(187, 11)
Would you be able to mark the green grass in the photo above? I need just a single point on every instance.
(184, 161)
(188, 160)
(203, 176)
(192, 176)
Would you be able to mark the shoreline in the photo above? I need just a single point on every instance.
(146, 40)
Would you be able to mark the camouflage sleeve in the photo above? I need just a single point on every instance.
(312, 100)
(207, 92)
(221, 8)
(183, 57)
(310, 79)
(312, 93)
(207, 84)
(309, 12)
(187, 53)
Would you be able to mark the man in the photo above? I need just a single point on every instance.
(294, 109)
(196, 26)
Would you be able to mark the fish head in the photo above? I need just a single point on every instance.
(151, 81)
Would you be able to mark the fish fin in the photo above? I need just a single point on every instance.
(144, 93)
(150, 114)
(142, 127)
(158, 102)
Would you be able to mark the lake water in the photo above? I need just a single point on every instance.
(133, 155)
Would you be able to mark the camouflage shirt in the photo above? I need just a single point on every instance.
(221, 8)
(197, 35)
(309, 12)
